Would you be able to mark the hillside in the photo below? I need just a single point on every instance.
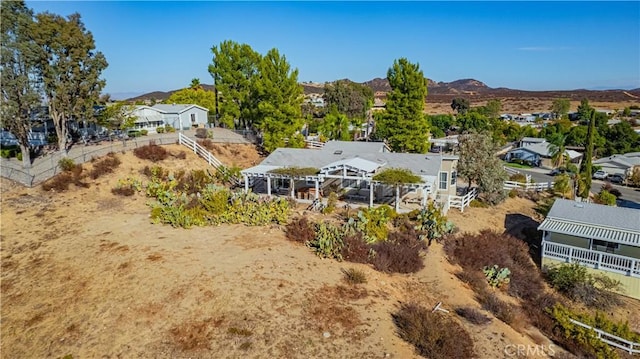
(444, 92)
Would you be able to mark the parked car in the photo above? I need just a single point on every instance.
(600, 175)
(559, 171)
(616, 178)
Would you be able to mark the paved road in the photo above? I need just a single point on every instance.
(630, 196)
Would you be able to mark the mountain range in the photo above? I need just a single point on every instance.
(445, 91)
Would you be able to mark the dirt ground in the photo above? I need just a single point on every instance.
(85, 273)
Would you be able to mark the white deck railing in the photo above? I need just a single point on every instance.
(613, 340)
(594, 259)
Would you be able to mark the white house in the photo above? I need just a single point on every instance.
(622, 164)
(177, 116)
(603, 238)
(183, 116)
(348, 168)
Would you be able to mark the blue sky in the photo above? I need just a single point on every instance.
(524, 45)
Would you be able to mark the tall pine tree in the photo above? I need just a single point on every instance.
(404, 124)
(588, 156)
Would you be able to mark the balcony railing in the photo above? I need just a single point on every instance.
(594, 259)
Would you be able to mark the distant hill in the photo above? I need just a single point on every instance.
(446, 91)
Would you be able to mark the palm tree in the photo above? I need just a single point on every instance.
(562, 184)
(558, 149)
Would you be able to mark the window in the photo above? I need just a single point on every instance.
(454, 177)
(604, 246)
(193, 118)
(443, 180)
(349, 183)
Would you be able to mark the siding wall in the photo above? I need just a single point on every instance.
(569, 240)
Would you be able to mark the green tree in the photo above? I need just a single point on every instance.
(562, 185)
(558, 149)
(350, 98)
(194, 94)
(492, 109)
(440, 124)
(404, 124)
(18, 59)
(117, 116)
(70, 68)
(605, 197)
(335, 125)
(279, 96)
(560, 107)
(460, 105)
(472, 121)
(234, 69)
(585, 111)
(479, 165)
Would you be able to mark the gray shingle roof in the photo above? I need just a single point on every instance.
(590, 220)
(542, 149)
(175, 108)
(419, 164)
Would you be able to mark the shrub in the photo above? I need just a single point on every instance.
(355, 248)
(201, 133)
(207, 143)
(396, 257)
(169, 129)
(19, 156)
(123, 191)
(431, 334)
(518, 177)
(331, 203)
(181, 155)
(300, 230)
(160, 130)
(475, 203)
(473, 315)
(144, 132)
(475, 251)
(66, 164)
(193, 182)
(574, 281)
(151, 152)
(604, 197)
(134, 133)
(354, 276)
(609, 188)
(127, 187)
(61, 181)
(502, 310)
(6, 153)
(104, 166)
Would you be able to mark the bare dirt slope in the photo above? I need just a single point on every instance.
(85, 273)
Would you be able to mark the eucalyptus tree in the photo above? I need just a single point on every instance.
(404, 124)
(70, 69)
(18, 58)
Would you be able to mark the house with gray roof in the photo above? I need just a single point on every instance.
(538, 153)
(178, 116)
(622, 164)
(348, 168)
(603, 238)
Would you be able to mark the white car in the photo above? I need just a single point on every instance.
(600, 175)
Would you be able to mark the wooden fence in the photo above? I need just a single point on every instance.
(534, 186)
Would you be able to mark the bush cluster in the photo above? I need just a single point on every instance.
(72, 174)
(574, 281)
(104, 166)
(390, 243)
(432, 334)
(473, 315)
(151, 152)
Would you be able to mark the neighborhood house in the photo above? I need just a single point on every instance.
(178, 116)
(537, 153)
(623, 165)
(603, 238)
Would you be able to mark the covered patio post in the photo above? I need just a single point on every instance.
(269, 186)
(293, 189)
(246, 183)
(397, 198)
(370, 194)
(424, 197)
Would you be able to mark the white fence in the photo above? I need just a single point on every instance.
(594, 259)
(204, 153)
(540, 186)
(462, 201)
(512, 171)
(613, 340)
(314, 144)
(199, 150)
